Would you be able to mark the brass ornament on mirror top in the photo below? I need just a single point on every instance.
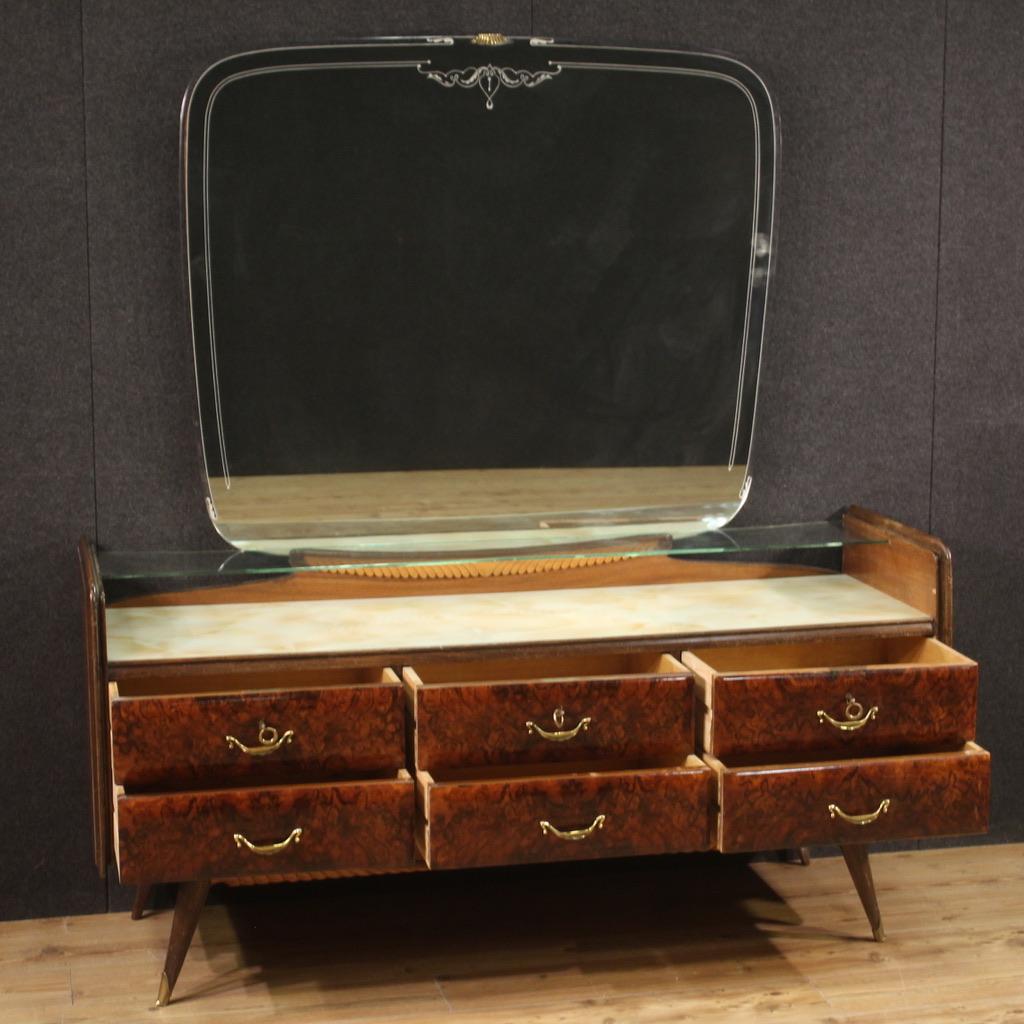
(490, 39)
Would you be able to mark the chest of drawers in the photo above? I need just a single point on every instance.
(840, 718)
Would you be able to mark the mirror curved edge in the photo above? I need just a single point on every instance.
(519, 310)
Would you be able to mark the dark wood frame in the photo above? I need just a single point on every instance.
(93, 614)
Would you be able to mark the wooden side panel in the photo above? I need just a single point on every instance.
(486, 724)
(918, 706)
(782, 807)
(912, 566)
(474, 824)
(94, 633)
(180, 836)
(180, 742)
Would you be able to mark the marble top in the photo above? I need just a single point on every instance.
(363, 625)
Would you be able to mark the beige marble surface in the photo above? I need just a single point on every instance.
(408, 623)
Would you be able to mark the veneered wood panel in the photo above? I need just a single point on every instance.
(784, 806)
(181, 742)
(179, 836)
(917, 706)
(485, 822)
(486, 723)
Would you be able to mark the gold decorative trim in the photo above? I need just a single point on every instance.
(473, 570)
(490, 39)
(163, 995)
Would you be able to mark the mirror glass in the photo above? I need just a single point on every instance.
(452, 297)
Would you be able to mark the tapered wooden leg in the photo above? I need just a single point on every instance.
(797, 855)
(856, 857)
(142, 894)
(187, 908)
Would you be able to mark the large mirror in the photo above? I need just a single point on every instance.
(462, 295)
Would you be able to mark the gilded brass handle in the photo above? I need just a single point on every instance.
(835, 811)
(573, 835)
(269, 741)
(560, 735)
(272, 848)
(856, 716)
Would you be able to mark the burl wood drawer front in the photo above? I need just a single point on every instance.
(861, 801)
(248, 832)
(519, 714)
(565, 817)
(252, 738)
(846, 698)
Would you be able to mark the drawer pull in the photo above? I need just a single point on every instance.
(835, 811)
(272, 848)
(269, 741)
(562, 734)
(856, 716)
(573, 835)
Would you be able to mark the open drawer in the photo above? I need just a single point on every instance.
(842, 698)
(780, 806)
(238, 833)
(178, 732)
(547, 710)
(526, 816)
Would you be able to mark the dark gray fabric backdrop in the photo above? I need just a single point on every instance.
(892, 375)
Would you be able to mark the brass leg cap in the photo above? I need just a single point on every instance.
(163, 996)
(879, 933)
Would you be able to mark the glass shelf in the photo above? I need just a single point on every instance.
(772, 542)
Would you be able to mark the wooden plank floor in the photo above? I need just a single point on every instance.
(684, 939)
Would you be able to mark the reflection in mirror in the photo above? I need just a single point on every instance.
(445, 303)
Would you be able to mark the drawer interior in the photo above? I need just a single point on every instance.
(524, 772)
(812, 761)
(168, 683)
(851, 652)
(505, 670)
